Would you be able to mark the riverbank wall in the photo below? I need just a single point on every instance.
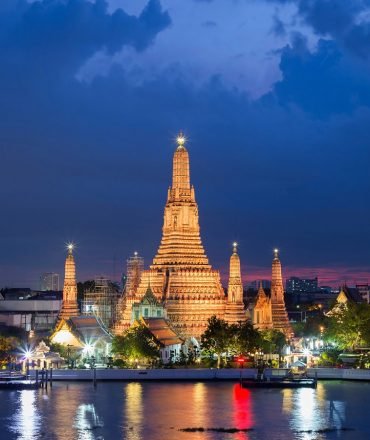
(339, 373)
(196, 374)
(174, 374)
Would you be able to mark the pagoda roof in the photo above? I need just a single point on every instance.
(85, 328)
(149, 297)
(161, 330)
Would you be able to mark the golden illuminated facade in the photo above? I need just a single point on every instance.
(235, 306)
(69, 304)
(262, 318)
(181, 276)
(280, 320)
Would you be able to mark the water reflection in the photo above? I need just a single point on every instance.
(312, 411)
(158, 411)
(86, 421)
(26, 422)
(243, 413)
(134, 411)
(200, 404)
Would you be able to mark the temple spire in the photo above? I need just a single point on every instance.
(235, 306)
(181, 171)
(280, 320)
(277, 287)
(69, 304)
(261, 292)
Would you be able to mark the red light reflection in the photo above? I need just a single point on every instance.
(243, 415)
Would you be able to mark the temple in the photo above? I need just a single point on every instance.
(280, 320)
(69, 304)
(235, 306)
(262, 310)
(180, 276)
(75, 330)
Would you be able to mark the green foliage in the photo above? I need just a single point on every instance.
(5, 347)
(222, 338)
(273, 341)
(245, 338)
(329, 358)
(311, 327)
(137, 343)
(120, 363)
(59, 348)
(217, 339)
(349, 326)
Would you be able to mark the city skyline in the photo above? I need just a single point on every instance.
(274, 103)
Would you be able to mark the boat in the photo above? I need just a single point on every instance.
(279, 383)
(19, 384)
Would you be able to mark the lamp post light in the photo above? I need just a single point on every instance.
(27, 356)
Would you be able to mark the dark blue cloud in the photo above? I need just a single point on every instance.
(339, 19)
(58, 35)
(322, 83)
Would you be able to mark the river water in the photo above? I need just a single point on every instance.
(194, 411)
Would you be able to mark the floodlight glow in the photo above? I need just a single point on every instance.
(88, 348)
(181, 139)
(70, 247)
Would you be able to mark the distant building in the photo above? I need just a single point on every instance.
(301, 285)
(364, 290)
(17, 293)
(35, 314)
(256, 284)
(325, 289)
(49, 281)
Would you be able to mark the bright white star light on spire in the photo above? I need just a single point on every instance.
(181, 139)
(70, 246)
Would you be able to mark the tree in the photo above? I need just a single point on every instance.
(217, 339)
(245, 338)
(5, 348)
(348, 326)
(273, 341)
(137, 343)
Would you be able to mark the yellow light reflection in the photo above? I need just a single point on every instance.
(86, 421)
(27, 420)
(134, 411)
(200, 404)
(287, 400)
(312, 411)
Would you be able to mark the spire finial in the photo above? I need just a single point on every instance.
(235, 247)
(180, 140)
(70, 247)
(276, 253)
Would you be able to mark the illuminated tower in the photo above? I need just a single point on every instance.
(280, 319)
(181, 276)
(262, 310)
(235, 306)
(135, 265)
(69, 304)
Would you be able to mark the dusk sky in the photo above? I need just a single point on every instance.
(273, 96)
